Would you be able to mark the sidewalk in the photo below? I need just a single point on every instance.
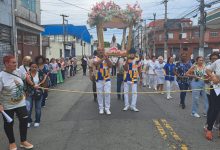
(52, 126)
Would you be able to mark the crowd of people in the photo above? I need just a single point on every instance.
(24, 87)
(27, 86)
(163, 76)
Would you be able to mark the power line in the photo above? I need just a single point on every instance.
(73, 5)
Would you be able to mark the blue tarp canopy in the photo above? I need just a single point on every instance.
(81, 32)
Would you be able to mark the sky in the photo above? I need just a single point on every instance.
(52, 9)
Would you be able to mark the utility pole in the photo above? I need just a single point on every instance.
(14, 29)
(64, 32)
(154, 49)
(165, 31)
(201, 28)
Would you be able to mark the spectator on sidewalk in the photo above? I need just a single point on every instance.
(43, 69)
(181, 68)
(59, 73)
(53, 74)
(214, 107)
(84, 64)
(34, 94)
(197, 72)
(12, 99)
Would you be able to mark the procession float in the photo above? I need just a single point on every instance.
(110, 15)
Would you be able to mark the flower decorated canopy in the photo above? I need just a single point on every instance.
(112, 16)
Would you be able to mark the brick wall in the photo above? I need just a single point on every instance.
(5, 49)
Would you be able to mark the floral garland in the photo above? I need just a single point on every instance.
(105, 11)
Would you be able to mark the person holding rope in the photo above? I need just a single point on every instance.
(132, 71)
(144, 70)
(103, 81)
(197, 72)
(169, 69)
(151, 72)
(183, 81)
(160, 74)
(213, 71)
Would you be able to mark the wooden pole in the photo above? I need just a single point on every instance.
(129, 38)
(100, 35)
(123, 39)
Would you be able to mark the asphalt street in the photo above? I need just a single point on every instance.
(71, 121)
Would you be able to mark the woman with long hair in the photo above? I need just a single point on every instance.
(34, 95)
(43, 69)
(197, 72)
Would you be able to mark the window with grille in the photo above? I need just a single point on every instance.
(214, 34)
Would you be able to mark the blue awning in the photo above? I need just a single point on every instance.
(81, 32)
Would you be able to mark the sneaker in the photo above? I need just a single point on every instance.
(149, 87)
(126, 108)
(134, 109)
(12, 146)
(183, 106)
(108, 112)
(26, 145)
(101, 111)
(169, 97)
(29, 125)
(204, 114)
(36, 125)
(144, 85)
(155, 89)
(195, 115)
(208, 135)
(215, 126)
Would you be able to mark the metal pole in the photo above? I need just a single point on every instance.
(154, 49)
(14, 29)
(202, 28)
(165, 31)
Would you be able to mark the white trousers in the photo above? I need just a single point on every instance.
(153, 80)
(103, 86)
(169, 87)
(134, 93)
(144, 78)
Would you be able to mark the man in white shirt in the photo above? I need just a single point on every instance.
(24, 68)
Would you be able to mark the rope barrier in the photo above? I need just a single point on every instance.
(115, 93)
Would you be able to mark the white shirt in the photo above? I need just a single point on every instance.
(215, 67)
(23, 69)
(159, 69)
(152, 67)
(144, 65)
(11, 90)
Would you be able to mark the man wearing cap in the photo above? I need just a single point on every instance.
(132, 71)
(103, 81)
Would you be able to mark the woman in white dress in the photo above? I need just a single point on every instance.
(152, 74)
(160, 74)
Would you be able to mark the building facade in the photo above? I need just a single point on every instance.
(28, 24)
(77, 41)
(181, 35)
(6, 45)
